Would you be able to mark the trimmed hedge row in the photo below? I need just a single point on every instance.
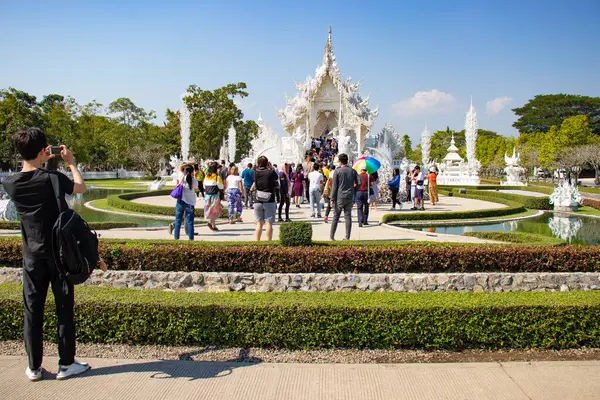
(15, 225)
(516, 237)
(336, 259)
(450, 321)
(592, 203)
(124, 202)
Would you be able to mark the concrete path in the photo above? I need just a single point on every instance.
(154, 379)
(321, 230)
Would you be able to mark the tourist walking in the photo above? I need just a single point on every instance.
(213, 186)
(345, 181)
(186, 205)
(327, 194)
(266, 182)
(408, 180)
(234, 187)
(433, 192)
(315, 178)
(284, 193)
(307, 168)
(394, 186)
(362, 197)
(374, 191)
(199, 174)
(417, 186)
(248, 178)
(298, 186)
(33, 195)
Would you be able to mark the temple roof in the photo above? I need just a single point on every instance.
(453, 152)
(356, 109)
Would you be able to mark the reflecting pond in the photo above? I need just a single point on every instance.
(77, 202)
(573, 229)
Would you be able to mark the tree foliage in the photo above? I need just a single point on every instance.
(544, 111)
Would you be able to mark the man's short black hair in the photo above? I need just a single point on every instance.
(249, 165)
(343, 158)
(29, 142)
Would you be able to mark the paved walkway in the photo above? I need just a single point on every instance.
(321, 230)
(154, 379)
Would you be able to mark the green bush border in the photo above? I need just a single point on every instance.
(517, 237)
(104, 225)
(376, 258)
(124, 202)
(296, 234)
(449, 321)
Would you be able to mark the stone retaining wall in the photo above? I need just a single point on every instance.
(248, 282)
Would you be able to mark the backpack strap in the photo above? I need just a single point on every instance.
(57, 194)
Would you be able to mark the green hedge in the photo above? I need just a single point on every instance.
(124, 202)
(449, 321)
(516, 237)
(336, 259)
(15, 225)
(296, 234)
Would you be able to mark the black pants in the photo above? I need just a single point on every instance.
(37, 275)
(395, 197)
(306, 187)
(284, 198)
(362, 201)
(201, 188)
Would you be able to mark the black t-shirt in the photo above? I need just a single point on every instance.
(35, 201)
(266, 180)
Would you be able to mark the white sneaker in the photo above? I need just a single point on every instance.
(69, 371)
(36, 375)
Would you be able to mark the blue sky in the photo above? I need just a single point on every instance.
(419, 60)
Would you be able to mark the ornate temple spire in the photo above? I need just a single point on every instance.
(328, 57)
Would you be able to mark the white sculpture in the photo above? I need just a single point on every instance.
(513, 170)
(426, 148)
(231, 142)
(184, 121)
(223, 152)
(565, 228)
(566, 197)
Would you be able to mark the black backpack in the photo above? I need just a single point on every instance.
(74, 244)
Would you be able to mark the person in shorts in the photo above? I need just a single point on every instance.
(418, 179)
(266, 182)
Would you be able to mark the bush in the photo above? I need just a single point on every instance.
(379, 258)
(296, 234)
(591, 203)
(516, 237)
(449, 321)
(538, 203)
(123, 202)
(15, 225)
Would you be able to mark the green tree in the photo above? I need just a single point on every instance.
(406, 146)
(574, 131)
(491, 147)
(440, 141)
(212, 113)
(544, 111)
(18, 110)
(94, 130)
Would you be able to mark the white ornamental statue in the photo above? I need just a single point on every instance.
(566, 197)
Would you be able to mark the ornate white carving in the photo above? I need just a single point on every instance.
(184, 121)
(513, 170)
(231, 142)
(566, 196)
(565, 228)
(426, 148)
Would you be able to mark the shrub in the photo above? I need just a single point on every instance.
(516, 237)
(450, 321)
(380, 258)
(15, 225)
(537, 203)
(296, 234)
(592, 203)
(123, 202)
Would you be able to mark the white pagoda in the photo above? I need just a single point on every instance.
(328, 106)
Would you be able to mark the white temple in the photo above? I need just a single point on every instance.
(454, 170)
(326, 106)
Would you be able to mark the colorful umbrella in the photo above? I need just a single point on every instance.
(371, 163)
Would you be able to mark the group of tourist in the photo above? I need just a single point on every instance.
(416, 181)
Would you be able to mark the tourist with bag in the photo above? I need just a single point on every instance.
(433, 191)
(235, 192)
(185, 193)
(284, 193)
(345, 182)
(327, 194)
(315, 178)
(394, 186)
(213, 186)
(33, 192)
(266, 182)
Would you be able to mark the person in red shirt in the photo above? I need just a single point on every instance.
(362, 198)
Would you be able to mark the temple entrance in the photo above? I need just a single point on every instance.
(327, 120)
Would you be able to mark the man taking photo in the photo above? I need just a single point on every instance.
(32, 192)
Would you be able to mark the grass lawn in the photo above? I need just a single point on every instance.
(528, 213)
(588, 211)
(119, 183)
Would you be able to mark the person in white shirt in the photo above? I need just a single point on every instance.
(417, 181)
(315, 178)
(187, 204)
(234, 187)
